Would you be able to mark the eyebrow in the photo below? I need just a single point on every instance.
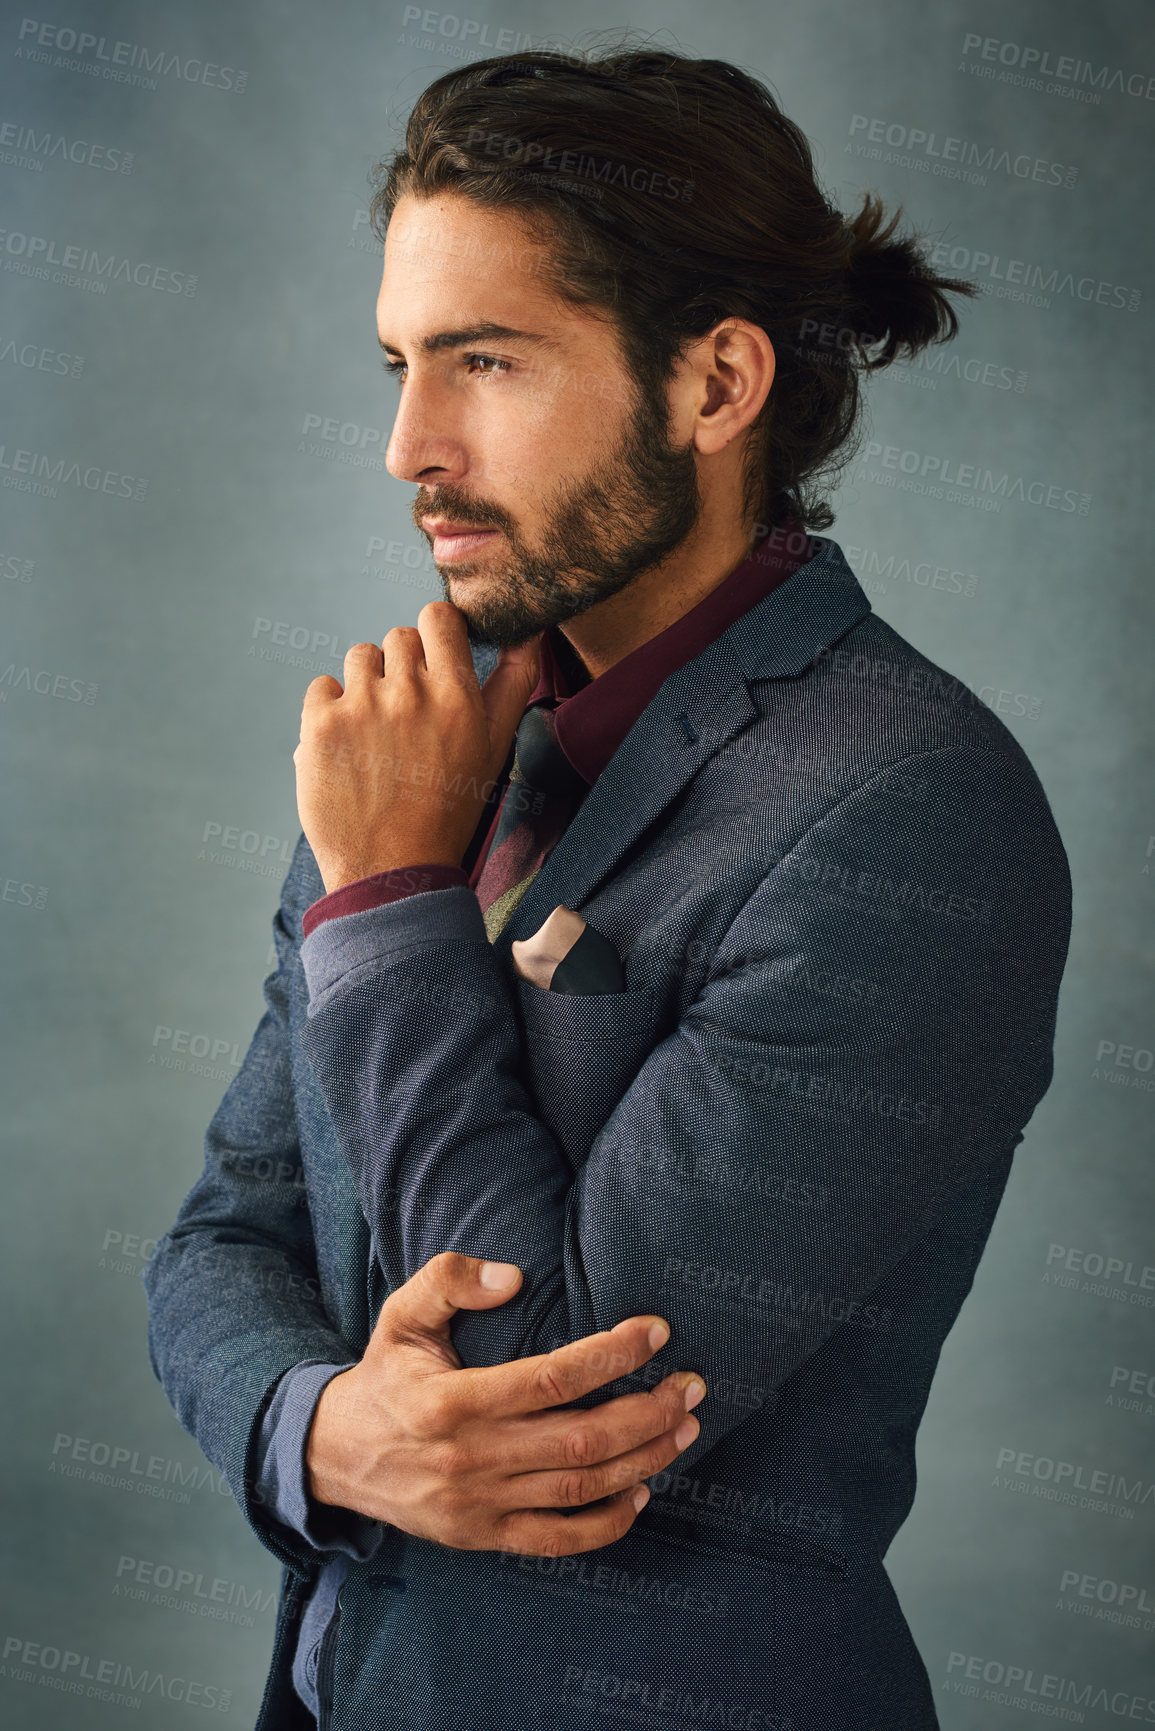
(484, 332)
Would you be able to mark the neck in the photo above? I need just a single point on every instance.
(611, 629)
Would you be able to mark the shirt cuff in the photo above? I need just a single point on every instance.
(282, 1476)
(379, 888)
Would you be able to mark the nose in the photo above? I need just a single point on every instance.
(424, 444)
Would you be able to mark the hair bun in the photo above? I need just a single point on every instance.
(893, 295)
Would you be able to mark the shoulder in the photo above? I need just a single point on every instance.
(872, 705)
(874, 741)
(900, 699)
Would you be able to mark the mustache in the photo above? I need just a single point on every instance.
(459, 508)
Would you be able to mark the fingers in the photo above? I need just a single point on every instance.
(574, 1439)
(571, 1487)
(362, 663)
(508, 689)
(445, 645)
(445, 1284)
(445, 649)
(532, 1533)
(320, 691)
(555, 1378)
(439, 646)
(401, 655)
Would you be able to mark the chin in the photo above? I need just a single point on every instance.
(497, 636)
(493, 626)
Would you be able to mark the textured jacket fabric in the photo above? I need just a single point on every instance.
(843, 911)
(590, 718)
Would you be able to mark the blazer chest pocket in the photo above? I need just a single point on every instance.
(582, 1052)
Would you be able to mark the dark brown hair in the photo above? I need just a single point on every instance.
(673, 193)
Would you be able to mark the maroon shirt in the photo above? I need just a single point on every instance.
(593, 720)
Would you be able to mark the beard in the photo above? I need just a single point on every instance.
(636, 507)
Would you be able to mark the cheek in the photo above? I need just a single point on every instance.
(569, 431)
(525, 447)
(528, 444)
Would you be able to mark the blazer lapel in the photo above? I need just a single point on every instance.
(695, 712)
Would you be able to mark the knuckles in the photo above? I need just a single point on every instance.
(576, 1487)
(431, 1419)
(553, 1545)
(549, 1384)
(442, 1268)
(566, 1540)
(585, 1446)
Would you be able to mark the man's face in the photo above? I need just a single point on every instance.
(536, 439)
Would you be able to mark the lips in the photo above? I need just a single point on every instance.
(455, 540)
(445, 526)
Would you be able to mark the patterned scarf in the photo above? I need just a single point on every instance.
(543, 793)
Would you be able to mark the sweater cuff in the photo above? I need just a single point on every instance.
(379, 888)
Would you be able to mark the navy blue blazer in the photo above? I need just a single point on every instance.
(843, 908)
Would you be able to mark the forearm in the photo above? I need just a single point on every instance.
(444, 1147)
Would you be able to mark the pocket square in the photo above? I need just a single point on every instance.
(567, 954)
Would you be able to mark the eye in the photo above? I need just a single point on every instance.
(398, 368)
(500, 366)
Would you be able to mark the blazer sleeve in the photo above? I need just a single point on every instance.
(234, 1298)
(281, 1473)
(950, 909)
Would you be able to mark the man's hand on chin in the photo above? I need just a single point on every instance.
(394, 770)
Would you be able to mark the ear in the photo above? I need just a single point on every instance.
(734, 367)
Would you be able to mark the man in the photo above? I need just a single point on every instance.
(660, 1001)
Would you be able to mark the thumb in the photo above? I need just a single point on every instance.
(507, 690)
(429, 1299)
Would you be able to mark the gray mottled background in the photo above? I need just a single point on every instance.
(181, 553)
